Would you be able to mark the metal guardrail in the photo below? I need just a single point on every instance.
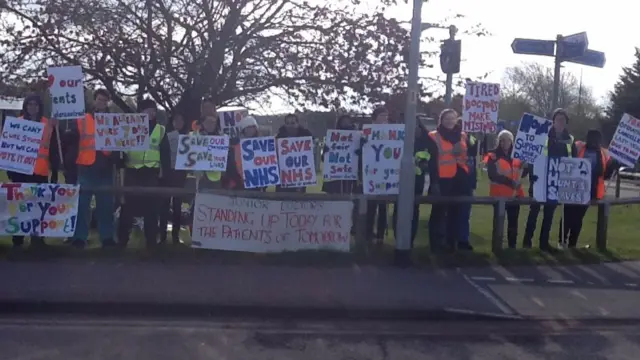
(499, 205)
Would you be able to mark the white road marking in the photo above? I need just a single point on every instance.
(512, 279)
(631, 285)
(489, 296)
(560, 281)
(537, 301)
(482, 278)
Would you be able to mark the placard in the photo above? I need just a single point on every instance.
(20, 144)
(480, 107)
(66, 87)
(122, 132)
(229, 118)
(297, 162)
(341, 160)
(625, 145)
(562, 180)
(531, 139)
(381, 156)
(260, 162)
(202, 152)
(38, 209)
(261, 226)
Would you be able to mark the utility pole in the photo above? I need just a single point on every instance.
(556, 76)
(406, 196)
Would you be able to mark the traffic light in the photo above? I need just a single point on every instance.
(450, 56)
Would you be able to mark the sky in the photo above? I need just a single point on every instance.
(611, 27)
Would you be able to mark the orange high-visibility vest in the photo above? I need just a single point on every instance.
(42, 166)
(87, 146)
(511, 171)
(604, 156)
(450, 156)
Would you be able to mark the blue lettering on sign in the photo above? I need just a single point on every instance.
(529, 122)
(229, 119)
(249, 147)
(261, 177)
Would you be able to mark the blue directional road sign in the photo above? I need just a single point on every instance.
(533, 47)
(573, 46)
(590, 58)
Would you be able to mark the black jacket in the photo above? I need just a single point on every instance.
(301, 131)
(54, 158)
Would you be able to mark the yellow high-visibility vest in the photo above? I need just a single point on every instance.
(148, 158)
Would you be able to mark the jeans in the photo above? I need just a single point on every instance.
(105, 205)
(135, 205)
(547, 221)
(380, 208)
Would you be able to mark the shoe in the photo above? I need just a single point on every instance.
(549, 250)
(465, 246)
(78, 244)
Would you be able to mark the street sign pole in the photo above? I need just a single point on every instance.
(406, 197)
(556, 74)
(449, 83)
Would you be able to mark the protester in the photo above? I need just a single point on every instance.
(380, 116)
(424, 167)
(292, 128)
(559, 144)
(602, 168)
(233, 178)
(209, 125)
(448, 144)
(344, 122)
(207, 107)
(176, 179)
(505, 173)
(47, 162)
(145, 169)
(95, 169)
(465, 215)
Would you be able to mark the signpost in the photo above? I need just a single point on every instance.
(573, 48)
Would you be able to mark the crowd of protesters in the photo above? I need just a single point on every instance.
(444, 159)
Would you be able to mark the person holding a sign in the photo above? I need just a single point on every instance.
(47, 161)
(465, 215)
(174, 179)
(505, 173)
(602, 168)
(344, 122)
(292, 128)
(145, 169)
(210, 125)
(448, 145)
(233, 178)
(559, 144)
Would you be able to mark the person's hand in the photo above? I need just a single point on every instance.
(533, 178)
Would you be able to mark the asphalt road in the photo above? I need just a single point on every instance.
(37, 338)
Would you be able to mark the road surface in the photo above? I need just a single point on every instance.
(68, 338)
(627, 190)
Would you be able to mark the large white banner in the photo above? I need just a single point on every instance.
(19, 145)
(66, 86)
(261, 226)
(38, 209)
(381, 156)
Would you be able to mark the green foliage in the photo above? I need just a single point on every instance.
(625, 97)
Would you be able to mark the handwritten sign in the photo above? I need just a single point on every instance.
(229, 120)
(564, 180)
(66, 86)
(296, 161)
(38, 209)
(202, 152)
(381, 158)
(531, 138)
(260, 162)
(625, 145)
(480, 112)
(260, 226)
(341, 161)
(19, 145)
(122, 132)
